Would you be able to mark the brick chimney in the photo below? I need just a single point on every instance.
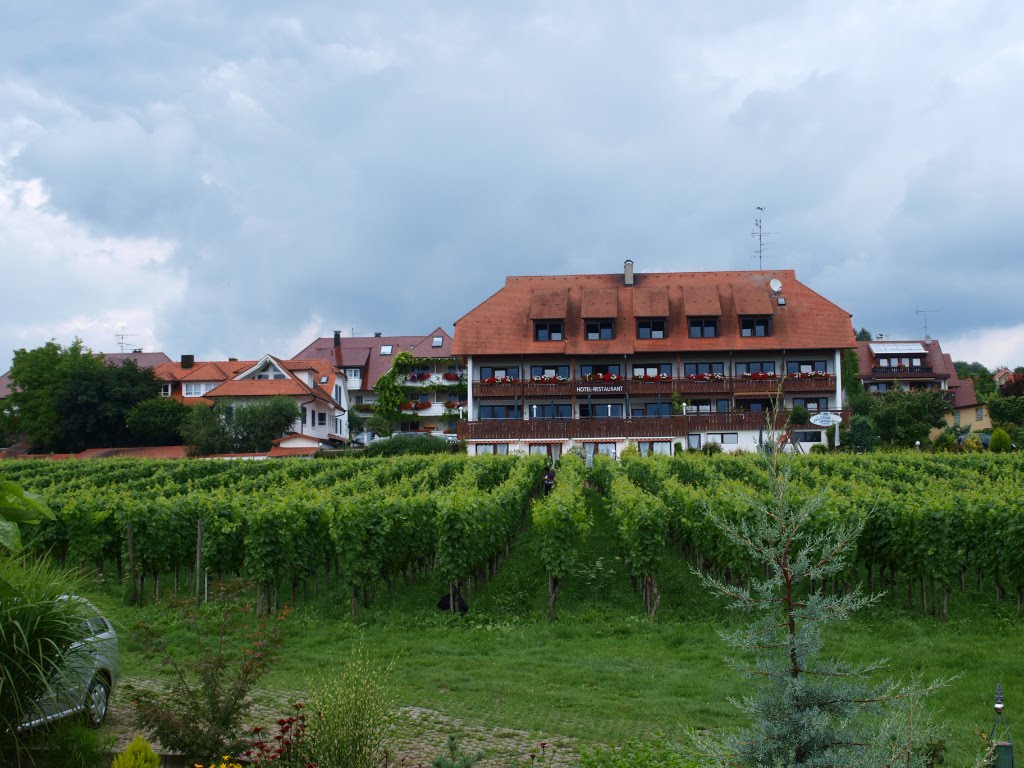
(187, 361)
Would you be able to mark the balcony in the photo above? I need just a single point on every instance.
(910, 372)
(705, 386)
(796, 384)
(581, 429)
(637, 388)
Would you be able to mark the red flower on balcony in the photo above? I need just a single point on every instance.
(602, 377)
(451, 405)
(760, 376)
(498, 380)
(705, 377)
(422, 405)
(405, 406)
(413, 377)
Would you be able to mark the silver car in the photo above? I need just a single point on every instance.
(88, 675)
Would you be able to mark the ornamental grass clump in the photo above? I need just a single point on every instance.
(353, 714)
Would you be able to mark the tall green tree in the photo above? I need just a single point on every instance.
(903, 418)
(254, 427)
(67, 399)
(984, 381)
(806, 710)
(156, 421)
(858, 400)
(865, 335)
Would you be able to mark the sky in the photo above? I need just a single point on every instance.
(236, 179)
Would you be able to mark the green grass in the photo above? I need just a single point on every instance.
(603, 673)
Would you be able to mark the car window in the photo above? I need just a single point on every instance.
(94, 625)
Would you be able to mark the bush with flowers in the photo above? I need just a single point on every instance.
(652, 377)
(760, 376)
(499, 380)
(548, 379)
(602, 377)
(705, 377)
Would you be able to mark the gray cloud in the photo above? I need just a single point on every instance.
(386, 167)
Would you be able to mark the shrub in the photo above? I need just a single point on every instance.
(73, 744)
(711, 449)
(138, 754)
(403, 445)
(1000, 442)
(353, 714)
(819, 448)
(799, 415)
(945, 442)
(973, 445)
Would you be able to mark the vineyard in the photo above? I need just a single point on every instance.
(932, 522)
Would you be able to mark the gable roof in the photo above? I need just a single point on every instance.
(931, 353)
(364, 352)
(503, 323)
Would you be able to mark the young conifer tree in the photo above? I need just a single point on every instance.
(805, 710)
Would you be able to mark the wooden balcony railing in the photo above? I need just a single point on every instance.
(638, 388)
(913, 372)
(659, 426)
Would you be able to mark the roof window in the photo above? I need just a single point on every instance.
(437, 341)
(385, 349)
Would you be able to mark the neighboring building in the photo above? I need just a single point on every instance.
(915, 365)
(1003, 375)
(315, 385)
(654, 359)
(435, 386)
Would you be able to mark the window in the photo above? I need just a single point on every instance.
(547, 330)
(956, 418)
(724, 438)
(600, 330)
(807, 437)
(650, 329)
(758, 406)
(812, 404)
(500, 412)
(755, 326)
(321, 419)
(766, 366)
(805, 366)
(592, 370)
(658, 409)
(549, 371)
(695, 369)
(693, 442)
(303, 418)
(654, 448)
(197, 389)
(420, 370)
(269, 371)
(353, 373)
(601, 410)
(491, 372)
(662, 370)
(499, 449)
(165, 390)
(703, 327)
(979, 413)
(551, 411)
(385, 349)
(879, 388)
(707, 406)
(437, 341)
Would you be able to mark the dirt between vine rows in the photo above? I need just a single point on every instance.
(423, 733)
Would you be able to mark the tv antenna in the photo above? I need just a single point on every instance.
(123, 343)
(924, 314)
(758, 234)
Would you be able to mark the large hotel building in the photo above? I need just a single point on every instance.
(657, 359)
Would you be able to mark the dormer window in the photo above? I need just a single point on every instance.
(269, 371)
(755, 326)
(650, 329)
(703, 327)
(600, 330)
(548, 330)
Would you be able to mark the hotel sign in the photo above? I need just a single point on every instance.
(599, 389)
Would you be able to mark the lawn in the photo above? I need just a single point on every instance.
(602, 673)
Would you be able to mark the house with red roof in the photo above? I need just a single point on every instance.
(912, 365)
(434, 386)
(653, 359)
(317, 387)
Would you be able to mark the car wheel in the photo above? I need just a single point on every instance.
(97, 699)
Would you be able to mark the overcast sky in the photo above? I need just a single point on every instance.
(233, 179)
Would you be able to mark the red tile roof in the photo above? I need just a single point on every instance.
(502, 324)
(364, 352)
(940, 363)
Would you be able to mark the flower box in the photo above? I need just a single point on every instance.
(602, 377)
(405, 407)
(548, 379)
(648, 377)
(451, 405)
(416, 377)
(450, 376)
(705, 377)
(498, 380)
(759, 376)
(422, 405)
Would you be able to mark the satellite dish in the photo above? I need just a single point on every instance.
(775, 285)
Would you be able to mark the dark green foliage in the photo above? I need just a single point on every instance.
(1006, 410)
(857, 399)
(861, 435)
(799, 415)
(864, 335)
(903, 418)
(253, 427)
(239, 429)
(984, 382)
(208, 699)
(68, 399)
(945, 442)
(1013, 387)
(156, 421)
(402, 445)
(1000, 442)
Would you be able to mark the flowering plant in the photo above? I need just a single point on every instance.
(760, 375)
(451, 376)
(422, 405)
(602, 377)
(811, 375)
(284, 747)
(417, 377)
(548, 379)
(498, 380)
(406, 406)
(655, 377)
(451, 405)
(705, 377)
